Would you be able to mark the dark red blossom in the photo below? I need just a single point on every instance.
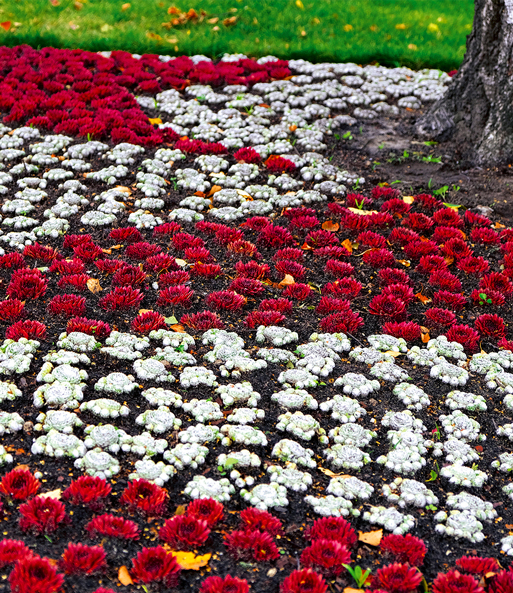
(41, 515)
(88, 251)
(327, 556)
(304, 222)
(256, 223)
(92, 327)
(183, 240)
(450, 300)
(430, 263)
(11, 551)
(427, 202)
(476, 266)
(12, 261)
(74, 281)
(502, 582)
(141, 250)
(490, 325)
(303, 581)
(464, 335)
(290, 268)
(332, 252)
(395, 206)
(354, 222)
(332, 528)
(82, 559)
(198, 254)
(183, 532)
(206, 270)
(160, 263)
(243, 249)
(131, 276)
(456, 248)
(329, 304)
(443, 233)
(380, 220)
(256, 318)
(475, 219)
(12, 310)
(359, 201)
(26, 284)
(252, 270)
(371, 239)
(298, 291)
(19, 484)
(40, 253)
(292, 213)
(289, 253)
(418, 222)
(405, 548)
(400, 291)
(122, 298)
(278, 164)
(251, 545)
(67, 305)
(109, 266)
(393, 276)
(156, 565)
(346, 322)
(484, 236)
(145, 497)
(148, 321)
(379, 258)
(494, 281)
(388, 307)
(33, 574)
(384, 193)
(419, 248)
(129, 234)
(444, 280)
(455, 582)
(247, 286)
(202, 321)
(275, 236)
(281, 305)
(30, 329)
(338, 268)
(206, 509)
(89, 491)
(439, 319)
(321, 238)
(477, 565)
(168, 228)
(490, 297)
(408, 330)
(400, 236)
(228, 584)
(253, 519)
(348, 288)
(179, 295)
(226, 299)
(226, 234)
(448, 217)
(112, 526)
(247, 155)
(397, 578)
(68, 267)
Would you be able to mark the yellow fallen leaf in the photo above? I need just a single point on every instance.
(107, 251)
(189, 560)
(373, 538)
(404, 262)
(287, 281)
(214, 189)
(353, 590)
(408, 199)
(400, 27)
(213, 20)
(348, 245)
(56, 494)
(425, 337)
(394, 353)
(230, 21)
(177, 327)
(423, 298)
(299, 4)
(154, 120)
(124, 576)
(94, 285)
(331, 474)
(125, 6)
(124, 189)
(180, 510)
(141, 311)
(329, 225)
(362, 212)
(244, 194)
(117, 247)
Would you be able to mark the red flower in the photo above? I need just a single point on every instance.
(247, 286)
(298, 291)
(303, 581)
(243, 249)
(354, 222)
(502, 582)
(82, 559)
(227, 585)
(321, 238)
(253, 519)
(329, 304)
(381, 220)
(19, 484)
(109, 266)
(395, 206)
(452, 301)
(490, 325)
(183, 532)
(11, 551)
(456, 248)
(226, 234)
(379, 258)
(12, 310)
(493, 281)
(371, 239)
(359, 201)
(256, 318)
(473, 218)
(332, 528)
(430, 263)
(347, 322)
(289, 253)
(129, 276)
(477, 565)
(206, 509)
(443, 233)
(103, 590)
(112, 526)
(252, 270)
(384, 193)
(392, 276)
(74, 281)
(304, 222)
(445, 280)
(147, 322)
(464, 335)
(454, 582)
(89, 491)
(173, 278)
(285, 267)
(206, 270)
(128, 234)
(141, 250)
(26, 284)
(345, 287)
(448, 217)
(275, 236)
(407, 330)
(247, 545)
(277, 164)
(226, 299)
(402, 237)
(332, 252)
(405, 548)
(175, 295)
(256, 223)
(41, 515)
(12, 261)
(91, 327)
(338, 268)
(160, 262)
(40, 253)
(247, 155)
(183, 240)
(328, 556)
(477, 266)
(33, 574)
(32, 330)
(281, 305)
(88, 251)
(439, 318)
(428, 202)
(484, 236)
(505, 344)
(67, 305)
(387, 306)
(156, 565)
(145, 497)
(168, 228)
(122, 298)
(202, 321)
(292, 213)
(397, 578)
(418, 249)
(418, 222)
(400, 291)
(198, 254)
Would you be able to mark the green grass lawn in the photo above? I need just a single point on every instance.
(416, 33)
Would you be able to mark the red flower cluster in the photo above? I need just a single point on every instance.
(227, 585)
(91, 327)
(33, 574)
(89, 491)
(42, 515)
(206, 509)
(332, 528)
(183, 532)
(405, 548)
(82, 559)
(251, 545)
(148, 321)
(112, 526)
(145, 497)
(156, 565)
(19, 484)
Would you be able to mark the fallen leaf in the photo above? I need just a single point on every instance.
(78, 5)
(306, 247)
(93, 285)
(331, 474)
(117, 247)
(181, 262)
(189, 560)
(329, 225)
(404, 262)
(287, 281)
(214, 189)
(173, 10)
(124, 576)
(293, 128)
(362, 212)
(213, 21)
(154, 120)
(509, 526)
(56, 494)
(6, 25)
(348, 245)
(498, 225)
(373, 538)
(230, 21)
(408, 199)
(353, 590)
(394, 353)
(424, 335)
(125, 6)
(171, 320)
(479, 448)
(180, 510)
(449, 260)
(489, 575)
(176, 327)
(124, 189)
(423, 298)
(299, 4)
(24, 466)
(141, 311)
(200, 194)
(244, 194)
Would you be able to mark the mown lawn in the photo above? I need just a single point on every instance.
(391, 32)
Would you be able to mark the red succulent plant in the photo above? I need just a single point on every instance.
(12, 261)
(327, 556)
(148, 321)
(418, 222)
(141, 250)
(346, 322)
(388, 307)
(30, 329)
(12, 551)
(321, 238)
(226, 235)
(168, 228)
(74, 281)
(290, 253)
(253, 519)
(89, 491)
(502, 582)
(348, 288)
(291, 268)
(91, 327)
(129, 234)
(456, 248)
(455, 582)
(145, 497)
(183, 532)
(477, 565)
(40, 253)
(122, 298)
(439, 319)
(444, 280)
(464, 335)
(226, 299)
(247, 286)
(281, 305)
(256, 318)
(443, 233)
(278, 164)
(400, 291)
(243, 249)
(33, 574)
(303, 581)
(484, 236)
(88, 252)
(41, 515)
(332, 252)
(173, 278)
(393, 276)
(372, 239)
(430, 263)
(252, 270)
(175, 295)
(298, 291)
(19, 484)
(451, 300)
(26, 284)
(397, 578)
(67, 305)
(228, 584)
(332, 528)
(329, 304)
(256, 223)
(202, 321)
(206, 509)
(109, 266)
(338, 268)
(379, 258)
(82, 559)
(401, 236)
(251, 545)
(183, 240)
(247, 155)
(160, 263)
(304, 222)
(111, 526)
(490, 325)
(128, 276)
(477, 266)
(275, 236)
(12, 310)
(405, 548)
(156, 565)
(408, 330)
(448, 217)
(495, 281)
(418, 249)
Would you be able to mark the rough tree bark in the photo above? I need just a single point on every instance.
(476, 113)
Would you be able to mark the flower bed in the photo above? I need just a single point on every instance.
(219, 357)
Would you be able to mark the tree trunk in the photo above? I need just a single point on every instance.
(476, 112)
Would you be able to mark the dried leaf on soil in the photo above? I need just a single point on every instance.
(189, 560)
(373, 538)
(93, 284)
(329, 225)
(287, 281)
(124, 576)
(52, 494)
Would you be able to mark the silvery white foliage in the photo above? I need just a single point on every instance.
(155, 472)
(290, 477)
(52, 228)
(386, 343)
(460, 400)
(409, 440)
(58, 444)
(78, 342)
(389, 371)
(331, 506)
(357, 385)
(32, 195)
(19, 239)
(464, 501)
(302, 426)
(195, 376)
(261, 192)
(65, 395)
(9, 392)
(240, 459)
(149, 369)
(10, 422)
(144, 444)
(507, 545)
(317, 358)
(290, 451)
(201, 487)
(105, 408)
(242, 435)
(346, 456)
(289, 200)
(190, 179)
(187, 454)
(174, 356)
(506, 430)
(4, 456)
(159, 421)
(225, 352)
(157, 396)
(95, 218)
(166, 154)
(442, 347)
(422, 356)
(116, 383)
(109, 175)
(228, 197)
(66, 357)
(173, 339)
(222, 337)
(405, 492)
(298, 378)
(370, 355)
(122, 153)
(277, 355)
(449, 373)
(245, 415)
(265, 496)
(501, 381)
(295, 398)
(460, 524)
(57, 174)
(125, 346)
(403, 421)
(504, 358)
(338, 342)
(402, 460)
(483, 363)
(277, 336)
(20, 222)
(352, 434)
(76, 164)
(350, 488)
(200, 433)
(390, 519)
(456, 451)
(202, 410)
(98, 463)
(238, 393)
(15, 357)
(185, 215)
(344, 409)
(211, 163)
(241, 364)
(504, 463)
(18, 206)
(107, 437)
(142, 219)
(462, 475)
(59, 420)
(460, 426)
(413, 397)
